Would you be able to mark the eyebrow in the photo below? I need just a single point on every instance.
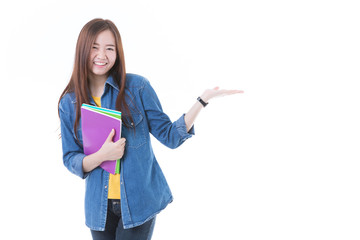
(108, 45)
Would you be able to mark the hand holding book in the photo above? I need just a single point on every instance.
(101, 131)
(109, 151)
(112, 150)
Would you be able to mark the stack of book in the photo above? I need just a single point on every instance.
(96, 124)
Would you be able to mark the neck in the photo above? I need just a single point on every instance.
(97, 84)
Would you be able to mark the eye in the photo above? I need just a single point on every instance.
(110, 49)
(94, 47)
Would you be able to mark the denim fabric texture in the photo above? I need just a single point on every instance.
(114, 228)
(144, 190)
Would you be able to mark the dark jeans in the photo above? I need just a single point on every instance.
(114, 228)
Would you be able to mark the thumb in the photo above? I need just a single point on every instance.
(111, 135)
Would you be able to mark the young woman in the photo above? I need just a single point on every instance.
(121, 206)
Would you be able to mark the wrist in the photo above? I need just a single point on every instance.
(90, 162)
(205, 98)
(202, 102)
(99, 156)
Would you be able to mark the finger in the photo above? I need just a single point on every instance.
(224, 92)
(110, 136)
(235, 91)
(121, 141)
(229, 92)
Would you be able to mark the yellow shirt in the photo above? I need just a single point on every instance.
(114, 180)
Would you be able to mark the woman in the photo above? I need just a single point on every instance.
(120, 206)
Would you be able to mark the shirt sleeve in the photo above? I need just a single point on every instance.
(73, 153)
(171, 134)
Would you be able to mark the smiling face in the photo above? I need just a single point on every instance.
(102, 55)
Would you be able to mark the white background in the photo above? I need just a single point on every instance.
(278, 162)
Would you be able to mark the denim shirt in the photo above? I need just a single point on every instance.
(144, 190)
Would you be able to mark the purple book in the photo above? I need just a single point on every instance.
(96, 124)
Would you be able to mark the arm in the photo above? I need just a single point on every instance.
(73, 155)
(208, 94)
(171, 134)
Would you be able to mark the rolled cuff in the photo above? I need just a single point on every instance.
(76, 166)
(181, 128)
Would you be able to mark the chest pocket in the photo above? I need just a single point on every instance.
(134, 131)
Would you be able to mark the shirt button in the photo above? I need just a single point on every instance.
(121, 183)
(105, 186)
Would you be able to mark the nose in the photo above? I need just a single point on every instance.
(101, 54)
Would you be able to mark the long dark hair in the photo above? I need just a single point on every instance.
(79, 81)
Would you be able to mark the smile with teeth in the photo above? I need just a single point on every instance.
(100, 63)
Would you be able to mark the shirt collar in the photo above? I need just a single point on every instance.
(112, 82)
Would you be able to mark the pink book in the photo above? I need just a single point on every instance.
(96, 124)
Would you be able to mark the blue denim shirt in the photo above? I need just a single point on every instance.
(144, 190)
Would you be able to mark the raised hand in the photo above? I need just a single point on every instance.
(217, 92)
(208, 94)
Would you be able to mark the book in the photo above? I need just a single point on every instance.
(96, 125)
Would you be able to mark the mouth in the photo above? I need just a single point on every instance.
(101, 64)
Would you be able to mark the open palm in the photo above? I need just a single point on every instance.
(217, 92)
